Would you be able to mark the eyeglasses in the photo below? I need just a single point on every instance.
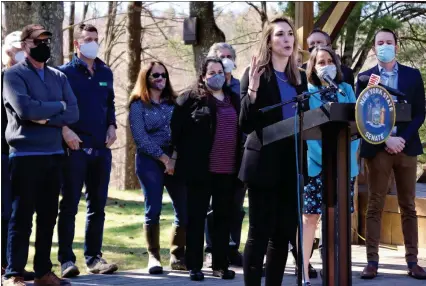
(42, 41)
(157, 75)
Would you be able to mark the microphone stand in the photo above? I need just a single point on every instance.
(299, 99)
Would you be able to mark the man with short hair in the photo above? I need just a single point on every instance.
(399, 153)
(320, 38)
(12, 53)
(38, 101)
(88, 160)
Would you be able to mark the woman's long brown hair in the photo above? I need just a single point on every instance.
(265, 54)
(141, 88)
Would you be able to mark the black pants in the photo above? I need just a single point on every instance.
(36, 181)
(273, 223)
(221, 188)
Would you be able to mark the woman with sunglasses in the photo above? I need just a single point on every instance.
(207, 138)
(151, 105)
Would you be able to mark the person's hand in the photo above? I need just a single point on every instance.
(170, 167)
(72, 139)
(43, 121)
(254, 78)
(64, 104)
(395, 145)
(111, 136)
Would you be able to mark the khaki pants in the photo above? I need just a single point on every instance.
(379, 169)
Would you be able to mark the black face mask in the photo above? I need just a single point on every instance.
(311, 49)
(41, 53)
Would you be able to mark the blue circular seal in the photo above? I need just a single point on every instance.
(375, 114)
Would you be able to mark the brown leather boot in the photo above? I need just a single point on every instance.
(177, 248)
(152, 236)
(50, 279)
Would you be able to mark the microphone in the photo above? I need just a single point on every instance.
(365, 79)
(326, 77)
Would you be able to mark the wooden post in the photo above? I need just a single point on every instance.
(304, 21)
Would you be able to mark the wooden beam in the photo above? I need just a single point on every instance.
(304, 21)
(337, 18)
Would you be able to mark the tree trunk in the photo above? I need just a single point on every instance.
(352, 26)
(17, 15)
(71, 31)
(85, 9)
(134, 48)
(264, 14)
(51, 15)
(110, 31)
(207, 31)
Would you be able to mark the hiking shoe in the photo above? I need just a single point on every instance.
(69, 269)
(14, 281)
(50, 279)
(100, 266)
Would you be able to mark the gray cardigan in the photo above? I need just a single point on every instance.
(27, 97)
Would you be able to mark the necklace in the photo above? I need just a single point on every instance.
(283, 80)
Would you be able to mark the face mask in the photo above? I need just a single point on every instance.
(41, 53)
(311, 49)
(19, 56)
(89, 50)
(330, 70)
(385, 53)
(216, 82)
(228, 64)
(158, 85)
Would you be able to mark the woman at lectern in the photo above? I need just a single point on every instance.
(322, 61)
(270, 171)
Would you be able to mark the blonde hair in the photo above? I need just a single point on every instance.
(264, 54)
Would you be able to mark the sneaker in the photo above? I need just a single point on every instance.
(100, 266)
(209, 260)
(69, 269)
(51, 279)
(14, 281)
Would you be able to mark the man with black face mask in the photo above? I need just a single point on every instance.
(38, 101)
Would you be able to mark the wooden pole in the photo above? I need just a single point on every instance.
(304, 22)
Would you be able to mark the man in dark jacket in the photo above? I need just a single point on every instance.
(88, 161)
(12, 54)
(38, 101)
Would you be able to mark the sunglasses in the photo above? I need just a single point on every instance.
(42, 41)
(157, 75)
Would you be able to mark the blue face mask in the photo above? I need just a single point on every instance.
(385, 53)
(216, 82)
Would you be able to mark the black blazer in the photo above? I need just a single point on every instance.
(266, 166)
(193, 126)
(409, 82)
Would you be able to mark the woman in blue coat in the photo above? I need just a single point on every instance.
(322, 61)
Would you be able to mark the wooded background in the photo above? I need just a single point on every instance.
(133, 33)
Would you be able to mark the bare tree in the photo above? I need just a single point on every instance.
(110, 31)
(85, 9)
(71, 31)
(262, 11)
(207, 31)
(17, 15)
(134, 48)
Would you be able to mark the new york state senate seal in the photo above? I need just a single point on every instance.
(375, 114)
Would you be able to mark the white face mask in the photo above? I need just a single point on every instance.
(228, 65)
(331, 70)
(89, 50)
(19, 56)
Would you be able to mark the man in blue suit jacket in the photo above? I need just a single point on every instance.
(399, 153)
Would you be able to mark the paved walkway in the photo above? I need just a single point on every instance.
(392, 272)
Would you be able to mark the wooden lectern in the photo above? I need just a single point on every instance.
(334, 124)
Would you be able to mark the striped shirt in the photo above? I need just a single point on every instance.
(223, 152)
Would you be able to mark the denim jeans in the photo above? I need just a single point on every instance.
(152, 178)
(92, 170)
(6, 206)
(36, 182)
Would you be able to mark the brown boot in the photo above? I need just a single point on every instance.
(177, 248)
(50, 279)
(152, 236)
